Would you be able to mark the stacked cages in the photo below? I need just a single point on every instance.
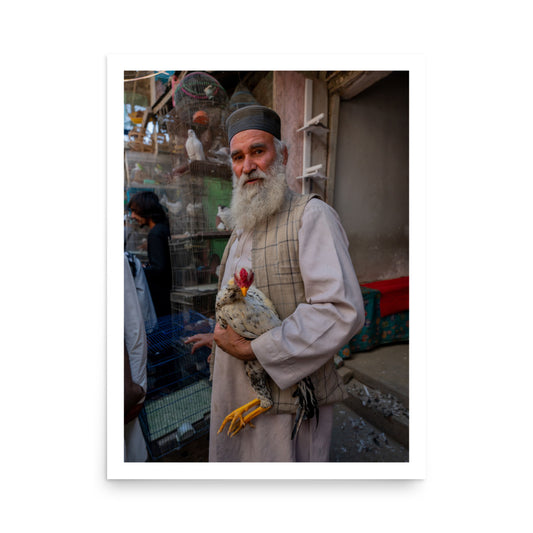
(200, 106)
(195, 258)
(147, 170)
(201, 298)
(191, 262)
(195, 264)
(204, 186)
(177, 406)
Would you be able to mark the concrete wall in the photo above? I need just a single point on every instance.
(372, 178)
(289, 90)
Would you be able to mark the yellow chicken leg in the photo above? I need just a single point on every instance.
(237, 419)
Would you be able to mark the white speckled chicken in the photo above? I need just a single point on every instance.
(250, 313)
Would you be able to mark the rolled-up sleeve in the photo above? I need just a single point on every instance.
(333, 311)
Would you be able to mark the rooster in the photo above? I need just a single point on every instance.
(250, 313)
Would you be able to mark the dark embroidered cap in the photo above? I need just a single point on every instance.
(253, 117)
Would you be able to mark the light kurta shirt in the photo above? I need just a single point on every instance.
(332, 313)
(135, 339)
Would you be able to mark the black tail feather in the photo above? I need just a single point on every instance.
(307, 404)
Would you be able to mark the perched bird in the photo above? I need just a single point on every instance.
(173, 207)
(138, 174)
(250, 313)
(194, 209)
(220, 155)
(210, 91)
(195, 217)
(194, 147)
(223, 218)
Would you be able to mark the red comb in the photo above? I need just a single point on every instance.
(243, 279)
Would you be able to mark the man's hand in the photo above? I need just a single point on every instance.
(234, 344)
(200, 340)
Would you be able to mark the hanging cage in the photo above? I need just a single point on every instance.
(200, 104)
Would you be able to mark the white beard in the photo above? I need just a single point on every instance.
(252, 204)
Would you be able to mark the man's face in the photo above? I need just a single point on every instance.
(141, 220)
(259, 176)
(251, 150)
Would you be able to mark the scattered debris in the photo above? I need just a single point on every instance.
(387, 404)
(357, 440)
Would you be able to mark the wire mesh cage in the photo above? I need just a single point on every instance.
(200, 106)
(195, 261)
(218, 195)
(187, 257)
(241, 97)
(200, 298)
(147, 169)
(199, 91)
(200, 198)
(192, 218)
(177, 406)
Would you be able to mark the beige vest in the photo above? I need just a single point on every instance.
(275, 263)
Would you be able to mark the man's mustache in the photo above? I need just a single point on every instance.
(253, 175)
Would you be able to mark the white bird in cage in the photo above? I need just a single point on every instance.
(194, 147)
(210, 91)
(173, 207)
(194, 209)
(223, 219)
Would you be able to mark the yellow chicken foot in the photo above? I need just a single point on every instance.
(254, 413)
(237, 419)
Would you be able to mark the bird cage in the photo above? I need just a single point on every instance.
(200, 298)
(147, 169)
(200, 196)
(241, 97)
(218, 195)
(194, 261)
(177, 406)
(139, 140)
(199, 91)
(192, 217)
(201, 105)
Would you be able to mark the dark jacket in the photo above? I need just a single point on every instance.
(158, 270)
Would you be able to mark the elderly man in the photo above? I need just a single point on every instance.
(298, 251)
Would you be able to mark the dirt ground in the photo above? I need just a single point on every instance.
(356, 440)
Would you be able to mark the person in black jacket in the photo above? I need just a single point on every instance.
(147, 211)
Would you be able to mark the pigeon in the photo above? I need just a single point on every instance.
(173, 207)
(194, 147)
(210, 91)
(223, 219)
(194, 209)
